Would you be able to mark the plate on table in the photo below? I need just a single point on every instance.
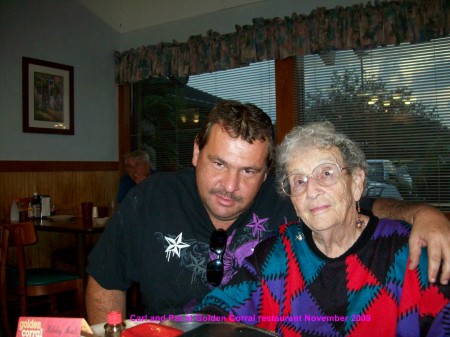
(205, 325)
(228, 329)
(99, 329)
(61, 217)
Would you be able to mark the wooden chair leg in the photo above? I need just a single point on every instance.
(53, 305)
(23, 303)
(81, 307)
(5, 317)
(5, 324)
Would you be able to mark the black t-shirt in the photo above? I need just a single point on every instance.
(160, 239)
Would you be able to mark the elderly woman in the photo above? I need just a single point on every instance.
(337, 272)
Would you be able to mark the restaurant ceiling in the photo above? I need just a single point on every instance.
(130, 15)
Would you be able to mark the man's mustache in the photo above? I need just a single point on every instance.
(229, 195)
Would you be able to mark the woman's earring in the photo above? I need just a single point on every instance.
(359, 222)
(299, 236)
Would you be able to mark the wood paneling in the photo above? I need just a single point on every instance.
(67, 190)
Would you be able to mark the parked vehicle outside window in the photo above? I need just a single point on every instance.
(388, 181)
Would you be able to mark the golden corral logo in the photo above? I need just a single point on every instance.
(30, 328)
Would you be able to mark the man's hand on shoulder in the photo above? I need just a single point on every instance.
(431, 228)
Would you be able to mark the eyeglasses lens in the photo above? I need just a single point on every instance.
(214, 269)
(324, 174)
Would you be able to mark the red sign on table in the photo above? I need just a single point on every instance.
(51, 327)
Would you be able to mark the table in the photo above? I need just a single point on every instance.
(74, 226)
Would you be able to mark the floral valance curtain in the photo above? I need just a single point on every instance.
(323, 30)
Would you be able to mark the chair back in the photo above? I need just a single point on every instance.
(4, 237)
(21, 235)
(41, 282)
(4, 241)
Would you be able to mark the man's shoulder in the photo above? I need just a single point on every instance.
(169, 187)
(268, 196)
(392, 228)
(185, 177)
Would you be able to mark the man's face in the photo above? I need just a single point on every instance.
(137, 169)
(229, 173)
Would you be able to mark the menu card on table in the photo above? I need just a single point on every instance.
(51, 327)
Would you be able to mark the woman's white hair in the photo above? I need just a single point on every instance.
(321, 135)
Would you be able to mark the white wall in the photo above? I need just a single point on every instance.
(62, 32)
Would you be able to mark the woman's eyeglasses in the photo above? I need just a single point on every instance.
(325, 174)
(214, 268)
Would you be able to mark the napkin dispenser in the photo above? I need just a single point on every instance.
(45, 206)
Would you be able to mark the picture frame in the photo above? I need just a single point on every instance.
(47, 97)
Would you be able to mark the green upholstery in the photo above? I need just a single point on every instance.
(44, 276)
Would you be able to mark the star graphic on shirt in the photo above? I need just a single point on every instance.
(175, 246)
(257, 226)
(197, 266)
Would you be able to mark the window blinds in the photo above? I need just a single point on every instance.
(395, 102)
(168, 113)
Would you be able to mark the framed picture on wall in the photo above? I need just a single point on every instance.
(47, 97)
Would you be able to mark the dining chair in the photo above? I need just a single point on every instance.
(42, 283)
(66, 258)
(4, 237)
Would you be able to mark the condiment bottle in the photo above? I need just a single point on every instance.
(30, 210)
(36, 206)
(114, 325)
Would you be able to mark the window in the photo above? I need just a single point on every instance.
(168, 113)
(253, 84)
(395, 102)
(166, 116)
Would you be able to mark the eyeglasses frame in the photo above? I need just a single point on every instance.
(283, 188)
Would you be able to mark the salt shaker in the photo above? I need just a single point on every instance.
(114, 325)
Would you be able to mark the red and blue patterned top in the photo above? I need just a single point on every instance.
(289, 286)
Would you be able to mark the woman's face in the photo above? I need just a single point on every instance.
(325, 207)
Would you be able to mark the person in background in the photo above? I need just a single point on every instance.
(345, 269)
(138, 167)
(168, 233)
